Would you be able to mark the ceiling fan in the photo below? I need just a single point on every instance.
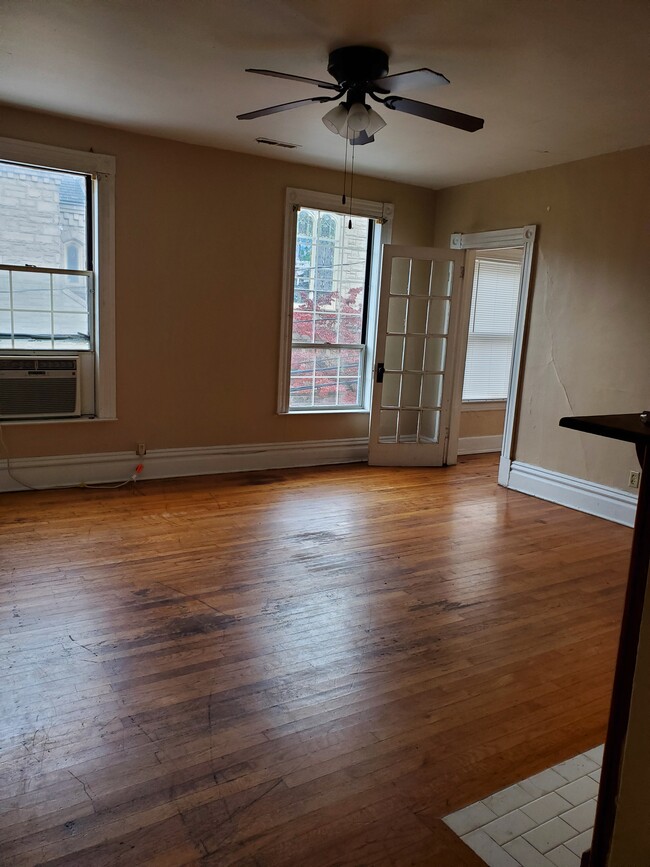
(362, 72)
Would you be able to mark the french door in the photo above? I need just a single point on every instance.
(414, 372)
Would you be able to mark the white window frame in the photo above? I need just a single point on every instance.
(101, 168)
(382, 213)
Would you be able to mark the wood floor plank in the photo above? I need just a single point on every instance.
(298, 667)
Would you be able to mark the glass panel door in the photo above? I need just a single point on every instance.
(412, 392)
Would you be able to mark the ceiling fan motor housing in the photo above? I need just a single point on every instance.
(357, 64)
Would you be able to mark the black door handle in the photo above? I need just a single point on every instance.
(380, 371)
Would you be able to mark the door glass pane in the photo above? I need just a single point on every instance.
(441, 280)
(420, 277)
(397, 314)
(432, 390)
(399, 276)
(393, 355)
(390, 389)
(411, 386)
(414, 353)
(408, 425)
(429, 426)
(417, 315)
(388, 425)
(438, 316)
(435, 353)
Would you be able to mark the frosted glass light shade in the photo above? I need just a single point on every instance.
(375, 122)
(358, 117)
(336, 119)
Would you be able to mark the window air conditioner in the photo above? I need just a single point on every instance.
(39, 387)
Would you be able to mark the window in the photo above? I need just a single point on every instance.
(56, 240)
(330, 307)
(46, 276)
(495, 294)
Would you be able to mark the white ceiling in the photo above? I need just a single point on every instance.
(555, 80)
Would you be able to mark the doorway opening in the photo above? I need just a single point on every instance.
(494, 276)
(486, 246)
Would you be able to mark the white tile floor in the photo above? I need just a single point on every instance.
(544, 821)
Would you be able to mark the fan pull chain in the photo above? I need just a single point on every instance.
(351, 186)
(345, 167)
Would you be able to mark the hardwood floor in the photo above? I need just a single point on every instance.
(301, 667)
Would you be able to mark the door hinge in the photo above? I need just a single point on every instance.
(462, 271)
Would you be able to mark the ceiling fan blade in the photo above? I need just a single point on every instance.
(408, 80)
(326, 84)
(285, 106)
(434, 112)
(362, 139)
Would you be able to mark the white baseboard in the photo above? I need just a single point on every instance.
(600, 500)
(479, 445)
(71, 470)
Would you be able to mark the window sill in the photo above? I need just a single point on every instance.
(30, 421)
(482, 405)
(324, 411)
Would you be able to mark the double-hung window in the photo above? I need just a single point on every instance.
(56, 263)
(330, 305)
(46, 259)
(493, 313)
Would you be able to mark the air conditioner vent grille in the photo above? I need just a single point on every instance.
(17, 364)
(42, 397)
(39, 387)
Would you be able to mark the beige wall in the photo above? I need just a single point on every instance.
(589, 347)
(483, 423)
(199, 237)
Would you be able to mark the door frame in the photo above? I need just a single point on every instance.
(523, 236)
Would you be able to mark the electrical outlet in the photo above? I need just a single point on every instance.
(141, 449)
(634, 478)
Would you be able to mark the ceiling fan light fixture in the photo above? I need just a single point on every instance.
(358, 117)
(375, 122)
(336, 119)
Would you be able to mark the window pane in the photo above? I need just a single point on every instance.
(495, 295)
(31, 324)
(325, 377)
(42, 217)
(50, 311)
(30, 291)
(328, 309)
(4, 290)
(330, 277)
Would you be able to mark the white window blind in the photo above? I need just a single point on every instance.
(491, 328)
